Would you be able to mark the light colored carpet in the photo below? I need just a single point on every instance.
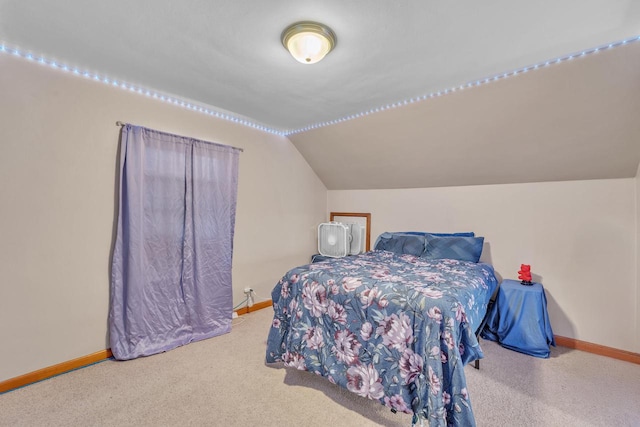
(224, 381)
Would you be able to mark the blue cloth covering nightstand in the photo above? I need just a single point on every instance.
(519, 320)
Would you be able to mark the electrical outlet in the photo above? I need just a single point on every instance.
(249, 293)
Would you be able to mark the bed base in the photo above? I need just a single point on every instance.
(492, 301)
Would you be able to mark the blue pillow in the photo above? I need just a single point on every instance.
(462, 248)
(401, 243)
(422, 233)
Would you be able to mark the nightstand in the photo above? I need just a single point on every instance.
(519, 320)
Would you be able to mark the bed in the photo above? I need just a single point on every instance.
(391, 325)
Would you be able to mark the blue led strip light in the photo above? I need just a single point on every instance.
(187, 105)
(137, 89)
(473, 83)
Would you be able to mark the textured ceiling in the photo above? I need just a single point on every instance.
(227, 53)
(576, 119)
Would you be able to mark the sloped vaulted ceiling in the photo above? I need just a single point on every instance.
(572, 120)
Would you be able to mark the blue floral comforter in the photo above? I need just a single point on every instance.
(394, 328)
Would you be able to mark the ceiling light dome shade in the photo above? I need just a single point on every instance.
(308, 42)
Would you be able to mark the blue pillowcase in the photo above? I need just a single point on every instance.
(401, 243)
(423, 233)
(462, 248)
(411, 242)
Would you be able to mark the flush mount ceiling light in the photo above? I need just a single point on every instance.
(308, 42)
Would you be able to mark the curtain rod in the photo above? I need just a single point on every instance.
(119, 123)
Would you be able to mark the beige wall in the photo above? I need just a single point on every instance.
(58, 170)
(638, 258)
(578, 236)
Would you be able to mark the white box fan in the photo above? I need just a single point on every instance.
(336, 239)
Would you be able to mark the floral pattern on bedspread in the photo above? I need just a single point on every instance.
(393, 328)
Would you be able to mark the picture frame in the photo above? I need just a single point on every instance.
(358, 218)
